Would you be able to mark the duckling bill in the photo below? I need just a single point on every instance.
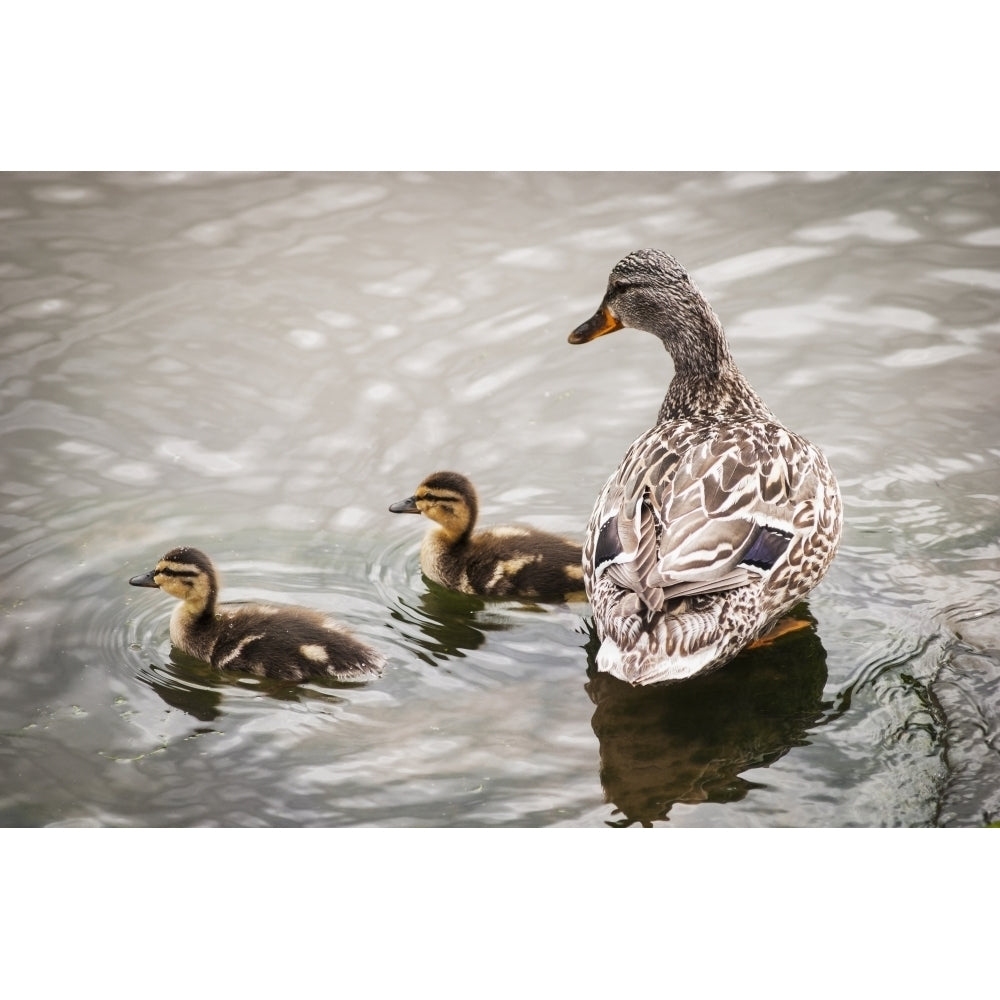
(504, 561)
(285, 643)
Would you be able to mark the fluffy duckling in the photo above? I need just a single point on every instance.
(719, 519)
(507, 561)
(285, 643)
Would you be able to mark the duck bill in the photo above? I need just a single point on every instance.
(146, 580)
(407, 506)
(603, 321)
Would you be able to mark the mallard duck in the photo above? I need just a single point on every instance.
(508, 561)
(286, 643)
(718, 519)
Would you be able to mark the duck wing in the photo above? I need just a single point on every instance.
(697, 509)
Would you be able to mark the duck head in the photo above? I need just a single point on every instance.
(448, 499)
(649, 290)
(184, 573)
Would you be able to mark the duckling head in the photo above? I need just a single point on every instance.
(448, 499)
(648, 290)
(184, 573)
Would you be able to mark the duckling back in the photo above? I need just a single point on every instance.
(291, 644)
(506, 561)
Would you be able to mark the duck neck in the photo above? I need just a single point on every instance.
(707, 384)
(455, 528)
(199, 608)
(452, 535)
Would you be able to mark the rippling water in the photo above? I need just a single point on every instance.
(260, 365)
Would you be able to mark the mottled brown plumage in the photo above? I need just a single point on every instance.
(267, 640)
(507, 561)
(718, 519)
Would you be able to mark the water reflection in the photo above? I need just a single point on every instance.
(198, 689)
(690, 742)
(198, 697)
(451, 623)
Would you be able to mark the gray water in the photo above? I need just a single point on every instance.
(260, 364)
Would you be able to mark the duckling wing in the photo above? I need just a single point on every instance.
(521, 561)
(290, 643)
(697, 510)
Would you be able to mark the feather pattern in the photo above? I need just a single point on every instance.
(718, 519)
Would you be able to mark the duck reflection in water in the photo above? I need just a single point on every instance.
(689, 741)
(450, 622)
(186, 683)
(197, 689)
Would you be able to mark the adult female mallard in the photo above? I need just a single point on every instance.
(718, 519)
(268, 640)
(506, 561)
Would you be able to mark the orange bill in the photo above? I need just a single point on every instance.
(603, 321)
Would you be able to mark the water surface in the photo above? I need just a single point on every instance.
(260, 364)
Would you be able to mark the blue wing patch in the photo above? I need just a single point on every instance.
(609, 544)
(766, 548)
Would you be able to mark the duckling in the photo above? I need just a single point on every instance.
(719, 519)
(506, 561)
(285, 643)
